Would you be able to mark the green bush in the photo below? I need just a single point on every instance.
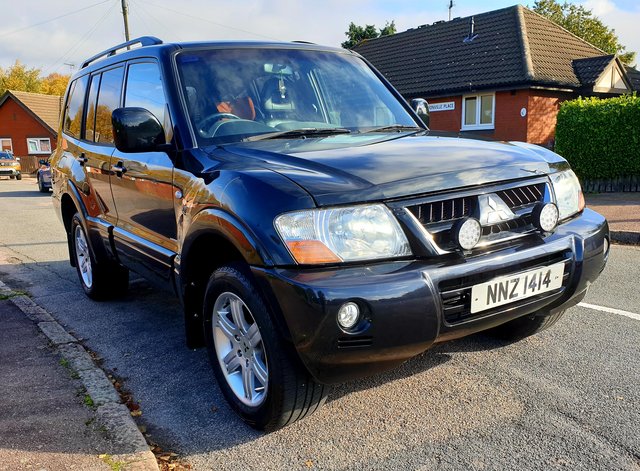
(600, 137)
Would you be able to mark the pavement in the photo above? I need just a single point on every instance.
(622, 210)
(59, 410)
(46, 375)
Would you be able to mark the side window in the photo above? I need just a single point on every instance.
(90, 125)
(75, 105)
(144, 88)
(108, 100)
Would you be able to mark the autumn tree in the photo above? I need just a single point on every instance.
(19, 77)
(584, 24)
(357, 34)
(54, 84)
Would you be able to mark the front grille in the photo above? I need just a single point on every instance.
(438, 215)
(522, 195)
(444, 210)
(455, 294)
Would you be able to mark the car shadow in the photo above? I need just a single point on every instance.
(26, 194)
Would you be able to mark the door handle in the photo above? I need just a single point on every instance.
(119, 169)
(82, 159)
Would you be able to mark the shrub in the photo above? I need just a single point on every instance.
(600, 137)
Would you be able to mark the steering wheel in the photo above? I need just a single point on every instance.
(207, 126)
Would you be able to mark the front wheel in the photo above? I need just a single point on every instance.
(259, 375)
(526, 326)
(19, 176)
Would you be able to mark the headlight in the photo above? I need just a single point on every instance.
(569, 195)
(342, 234)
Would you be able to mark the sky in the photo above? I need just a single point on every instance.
(57, 35)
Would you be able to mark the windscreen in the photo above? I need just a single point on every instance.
(6, 156)
(240, 93)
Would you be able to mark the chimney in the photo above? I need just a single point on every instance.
(472, 35)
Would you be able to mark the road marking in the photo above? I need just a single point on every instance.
(632, 315)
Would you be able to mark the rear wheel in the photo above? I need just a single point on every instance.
(523, 327)
(41, 186)
(100, 279)
(259, 375)
(12, 177)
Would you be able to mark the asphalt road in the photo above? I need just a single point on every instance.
(567, 398)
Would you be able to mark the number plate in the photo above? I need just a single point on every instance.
(508, 289)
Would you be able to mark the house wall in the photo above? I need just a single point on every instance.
(537, 126)
(17, 124)
(543, 114)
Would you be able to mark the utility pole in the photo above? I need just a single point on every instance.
(125, 17)
(450, 8)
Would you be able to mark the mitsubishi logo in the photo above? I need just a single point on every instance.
(493, 210)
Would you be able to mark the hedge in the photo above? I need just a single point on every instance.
(600, 137)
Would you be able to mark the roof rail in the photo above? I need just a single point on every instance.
(143, 41)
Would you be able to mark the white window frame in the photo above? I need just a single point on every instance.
(10, 143)
(38, 141)
(478, 126)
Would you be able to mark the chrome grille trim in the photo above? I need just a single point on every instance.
(434, 216)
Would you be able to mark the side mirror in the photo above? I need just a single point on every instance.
(421, 107)
(136, 130)
(18, 159)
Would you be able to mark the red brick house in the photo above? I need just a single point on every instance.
(29, 126)
(501, 74)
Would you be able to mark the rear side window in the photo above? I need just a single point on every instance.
(90, 126)
(144, 88)
(75, 105)
(108, 100)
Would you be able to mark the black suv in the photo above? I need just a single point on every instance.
(314, 229)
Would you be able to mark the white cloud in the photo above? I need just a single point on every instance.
(600, 7)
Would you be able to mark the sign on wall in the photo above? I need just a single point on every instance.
(446, 106)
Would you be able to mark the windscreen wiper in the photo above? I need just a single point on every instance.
(302, 132)
(394, 127)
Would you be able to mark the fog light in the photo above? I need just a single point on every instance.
(348, 315)
(468, 233)
(545, 216)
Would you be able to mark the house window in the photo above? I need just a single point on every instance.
(478, 111)
(39, 145)
(5, 144)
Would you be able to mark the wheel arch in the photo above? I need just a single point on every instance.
(215, 238)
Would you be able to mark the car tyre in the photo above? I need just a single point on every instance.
(258, 373)
(41, 186)
(19, 176)
(526, 326)
(100, 278)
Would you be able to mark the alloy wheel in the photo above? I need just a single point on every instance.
(83, 257)
(240, 349)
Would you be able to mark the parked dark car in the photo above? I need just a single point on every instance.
(43, 176)
(10, 166)
(314, 229)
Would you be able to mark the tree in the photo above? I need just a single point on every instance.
(582, 22)
(357, 34)
(55, 84)
(19, 77)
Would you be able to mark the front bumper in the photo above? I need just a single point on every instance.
(402, 300)
(9, 172)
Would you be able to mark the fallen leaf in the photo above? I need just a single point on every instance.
(308, 464)
(136, 413)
